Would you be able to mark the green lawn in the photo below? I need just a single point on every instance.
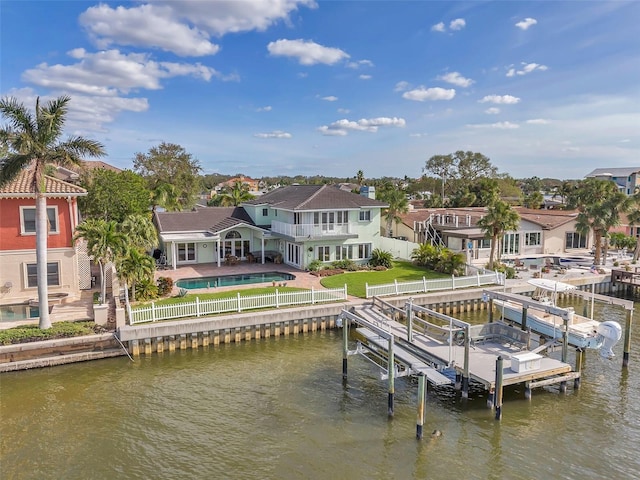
(247, 292)
(401, 271)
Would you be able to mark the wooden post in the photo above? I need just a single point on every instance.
(527, 390)
(491, 397)
(421, 405)
(409, 323)
(345, 346)
(490, 307)
(499, 387)
(465, 373)
(579, 358)
(627, 339)
(523, 322)
(392, 370)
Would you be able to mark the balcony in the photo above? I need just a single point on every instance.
(310, 231)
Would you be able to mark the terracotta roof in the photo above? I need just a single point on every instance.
(211, 219)
(315, 197)
(22, 184)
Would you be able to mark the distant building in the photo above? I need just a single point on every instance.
(626, 178)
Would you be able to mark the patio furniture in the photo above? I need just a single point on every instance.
(231, 260)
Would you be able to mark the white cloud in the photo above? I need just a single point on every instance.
(438, 27)
(274, 134)
(183, 26)
(498, 125)
(343, 126)
(344, 110)
(436, 93)
(109, 72)
(365, 77)
(307, 52)
(268, 108)
(492, 111)
(330, 98)
(526, 68)
(360, 63)
(500, 99)
(457, 24)
(538, 121)
(401, 86)
(456, 79)
(418, 135)
(526, 23)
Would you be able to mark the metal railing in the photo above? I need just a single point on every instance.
(310, 230)
(424, 285)
(238, 303)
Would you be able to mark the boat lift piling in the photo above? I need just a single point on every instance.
(499, 388)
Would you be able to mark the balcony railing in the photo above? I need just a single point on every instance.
(311, 230)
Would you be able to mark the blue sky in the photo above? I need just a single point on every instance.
(287, 87)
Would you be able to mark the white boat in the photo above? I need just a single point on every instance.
(583, 332)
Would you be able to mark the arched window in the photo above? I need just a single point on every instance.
(233, 234)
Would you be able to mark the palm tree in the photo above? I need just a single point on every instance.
(105, 243)
(634, 219)
(32, 141)
(135, 267)
(599, 204)
(398, 204)
(235, 195)
(499, 219)
(140, 232)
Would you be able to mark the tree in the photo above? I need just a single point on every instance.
(533, 200)
(442, 166)
(472, 166)
(233, 196)
(170, 164)
(140, 232)
(398, 204)
(115, 195)
(564, 190)
(499, 219)
(105, 243)
(634, 219)
(32, 141)
(599, 204)
(135, 267)
(360, 177)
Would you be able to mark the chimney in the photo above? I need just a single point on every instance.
(369, 192)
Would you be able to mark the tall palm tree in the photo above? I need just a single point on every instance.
(398, 204)
(33, 141)
(105, 243)
(235, 195)
(499, 219)
(599, 204)
(634, 219)
(135, 267)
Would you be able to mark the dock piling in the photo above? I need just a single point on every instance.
(627, 339)
(499, 388)
(345, 346)
(392, 379)
(422, 390)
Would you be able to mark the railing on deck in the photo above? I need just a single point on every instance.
(424, 285)
(238, 303)
(310, 230)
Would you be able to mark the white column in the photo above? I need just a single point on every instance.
(262, 249)
(174, 255)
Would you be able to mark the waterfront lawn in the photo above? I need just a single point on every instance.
(191, 297)
(401, 271)
(31, 333)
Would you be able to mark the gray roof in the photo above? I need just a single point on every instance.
(614, 172)
(213, 219)
(315, 197)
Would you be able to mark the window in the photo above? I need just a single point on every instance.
(484, 243)
(364, 250)
(532, 239)
(343, 252)
(324, 254)
(186, 252)
(265, 212)
(53, 274)
(365, 215)
(28, 220)
(511, 244)
(575, 240)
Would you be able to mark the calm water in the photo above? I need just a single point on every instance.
(277, 409)
(21, 311)
(231, 280)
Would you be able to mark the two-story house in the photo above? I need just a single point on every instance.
(67, 268)
(626, 178)
(297, 224)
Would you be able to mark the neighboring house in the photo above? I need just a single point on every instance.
(74, 176)
(540, 232)
(296, 224)
(252, 184)
(68, 268)
(626, 178)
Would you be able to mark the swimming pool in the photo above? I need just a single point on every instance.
(20, 311)
(231, 280)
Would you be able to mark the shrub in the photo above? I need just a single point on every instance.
(315, 266)
(381, 258)
(345, 264)
(182, 292)
(509, 272)
(165, 285)
(146, 290)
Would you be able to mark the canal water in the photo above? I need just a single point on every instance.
(278, 409)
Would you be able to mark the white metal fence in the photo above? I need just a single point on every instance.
(424, 285)
(238, 303)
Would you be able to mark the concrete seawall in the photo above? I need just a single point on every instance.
(212, 331)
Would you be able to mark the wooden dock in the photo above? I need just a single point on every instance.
(436, 348)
